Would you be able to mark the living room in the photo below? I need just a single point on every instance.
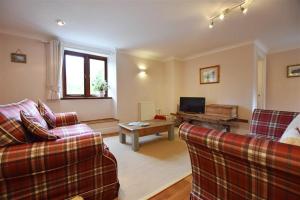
(154, 52)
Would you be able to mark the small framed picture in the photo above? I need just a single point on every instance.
(210, 74)
(18, 58)
(293, 71)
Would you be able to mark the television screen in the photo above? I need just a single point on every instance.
(192, 104)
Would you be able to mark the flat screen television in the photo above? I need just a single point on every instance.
(192, 104)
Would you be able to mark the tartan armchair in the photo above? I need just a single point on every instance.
(232, 166)
(78, 163)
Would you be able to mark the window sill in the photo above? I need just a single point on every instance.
(78, 98)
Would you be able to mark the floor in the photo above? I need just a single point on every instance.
(158, 164)
(179, 191)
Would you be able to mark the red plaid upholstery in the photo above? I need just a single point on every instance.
(232, 166)
(59, 170)
(270, 123)
(11, 132)
(33, 126)
(73, 130)
(77, 164)
(66, 119)
(12, 111)
(47, 114)
(11, 128)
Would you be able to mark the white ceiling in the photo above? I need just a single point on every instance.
(155, 28)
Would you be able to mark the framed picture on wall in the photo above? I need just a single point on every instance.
(210, 74)
(18, 58)
(293, 71)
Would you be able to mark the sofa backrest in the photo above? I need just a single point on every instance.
(12, 111)
(270, 123)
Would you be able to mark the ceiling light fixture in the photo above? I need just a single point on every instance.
(221, 16)
(60, 22)
(211, 24)
(244, 10)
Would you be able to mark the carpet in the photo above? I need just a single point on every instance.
(158, 164)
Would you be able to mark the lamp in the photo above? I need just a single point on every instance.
(142, 73)
(221, 16)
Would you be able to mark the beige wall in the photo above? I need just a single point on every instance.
(173, 81)
(133, 88)
(282, 93)
(164, 83)
(19, 81)
(236, 78)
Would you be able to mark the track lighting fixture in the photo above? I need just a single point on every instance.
(211, 24)
(244, 10)
(242, 5)
(222, 16)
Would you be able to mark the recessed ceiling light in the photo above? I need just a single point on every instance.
(60, 22)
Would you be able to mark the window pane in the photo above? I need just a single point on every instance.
(75, 75)
(97, 75)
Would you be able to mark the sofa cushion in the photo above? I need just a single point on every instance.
(292, 132)
(33, 125)
(271, 123)
(47, 114)
(11, 131)
(12, 111)
(73, 130)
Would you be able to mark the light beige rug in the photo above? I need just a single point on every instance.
(158, 164)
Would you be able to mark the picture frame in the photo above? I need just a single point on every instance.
(18, 58)
(293, 71)
(209, 75)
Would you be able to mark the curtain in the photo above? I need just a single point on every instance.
(54, 70)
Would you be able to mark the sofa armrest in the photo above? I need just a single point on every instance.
(253, 150)
(240, 166)
(66, 119)
(19, 160)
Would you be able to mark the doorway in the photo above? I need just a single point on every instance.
(261, 82)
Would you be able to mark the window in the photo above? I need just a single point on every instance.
(81, 72)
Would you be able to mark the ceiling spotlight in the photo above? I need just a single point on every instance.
(244, 10)
(60, 22)
(211, 24)
(222, 16)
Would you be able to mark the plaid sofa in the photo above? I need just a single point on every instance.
(232, 166)
(78, 163)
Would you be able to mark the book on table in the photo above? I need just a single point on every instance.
(142, 124)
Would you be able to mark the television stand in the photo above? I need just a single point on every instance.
(222, 116)
(223, 121)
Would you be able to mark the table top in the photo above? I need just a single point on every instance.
(152, 123)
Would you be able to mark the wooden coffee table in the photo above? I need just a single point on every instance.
(155, 127)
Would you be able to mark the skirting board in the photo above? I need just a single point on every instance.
(148, 196)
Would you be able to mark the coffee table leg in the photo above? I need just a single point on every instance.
(135, 141)
(122, 138)
(171, 132)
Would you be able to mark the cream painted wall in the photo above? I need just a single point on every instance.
(133, 88)
(19, 81)
(236, 78)
(283, 93)
(173, 84)
(164, 83)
